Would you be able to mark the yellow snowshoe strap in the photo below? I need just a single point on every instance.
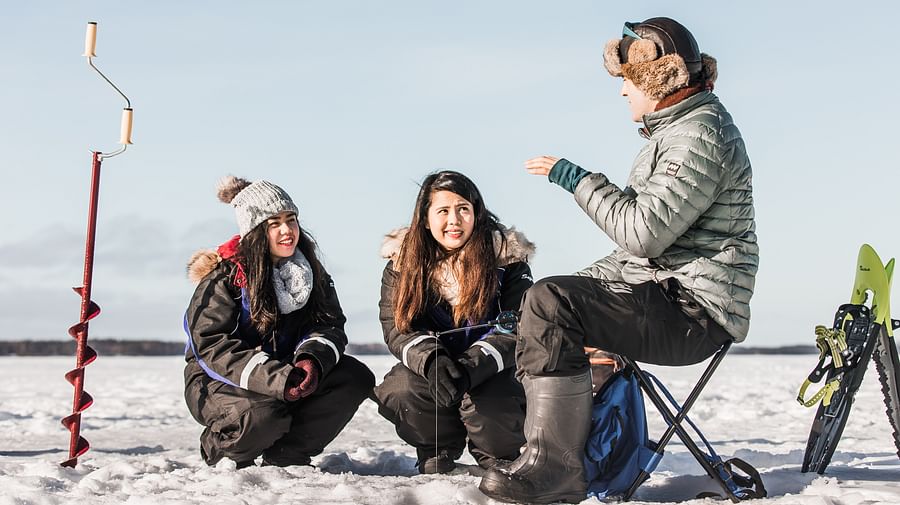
(831, 343)
(824, 394)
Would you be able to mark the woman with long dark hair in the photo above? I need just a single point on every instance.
(454, 266)
(266, 372)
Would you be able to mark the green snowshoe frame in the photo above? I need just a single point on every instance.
(871, 276)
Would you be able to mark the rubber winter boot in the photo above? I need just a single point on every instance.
(557, 423)
(442, 462)
(487, 461)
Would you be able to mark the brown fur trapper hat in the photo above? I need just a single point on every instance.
(660, 56)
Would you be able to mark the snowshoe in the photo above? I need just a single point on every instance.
(859, 333)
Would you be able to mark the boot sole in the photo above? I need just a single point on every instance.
(492, 487)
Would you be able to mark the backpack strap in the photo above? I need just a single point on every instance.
(744, 487)
(752, 482)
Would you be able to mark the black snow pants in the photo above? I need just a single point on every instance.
(242, 425)
(491, 415)
(645, 322)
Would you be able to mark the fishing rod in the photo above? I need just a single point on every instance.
(506, 322)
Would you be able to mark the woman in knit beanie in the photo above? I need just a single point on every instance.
(266, 372)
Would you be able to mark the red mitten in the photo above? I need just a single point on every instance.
(303, 380)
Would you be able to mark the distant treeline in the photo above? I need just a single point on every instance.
(785, 349)
(104, 347)
(112, 347)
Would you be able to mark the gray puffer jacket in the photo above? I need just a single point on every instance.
(688, 214)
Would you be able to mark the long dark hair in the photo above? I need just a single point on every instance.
(420, 256)
(254, 257)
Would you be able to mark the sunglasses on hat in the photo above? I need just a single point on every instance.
(627, 31)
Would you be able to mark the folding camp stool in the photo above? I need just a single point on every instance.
(674, 420)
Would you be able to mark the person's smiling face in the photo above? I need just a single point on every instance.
(451, 219)
(283, 232)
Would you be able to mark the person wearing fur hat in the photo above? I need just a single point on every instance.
(266, 372)
(454, 266)
(678, 285)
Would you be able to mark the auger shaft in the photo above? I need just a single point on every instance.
(89, 257)
(84, 354)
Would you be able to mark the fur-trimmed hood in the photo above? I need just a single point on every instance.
(205, 261)
(201, 264)
(518, 247)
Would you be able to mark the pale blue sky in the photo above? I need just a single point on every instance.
(347, 105)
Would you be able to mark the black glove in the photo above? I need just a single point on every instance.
(477, 370)
(447, 382)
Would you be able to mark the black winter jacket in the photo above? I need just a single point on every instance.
(485, 352)
(228, 349)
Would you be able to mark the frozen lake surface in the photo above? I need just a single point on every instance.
(144, 443)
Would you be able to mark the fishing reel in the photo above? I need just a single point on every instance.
(506, 322)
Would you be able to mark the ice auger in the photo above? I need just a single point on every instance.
(85, 354)
(859, 333)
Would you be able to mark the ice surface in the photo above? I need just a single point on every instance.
(144, 443)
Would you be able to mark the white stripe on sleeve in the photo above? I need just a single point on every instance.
(257, 358)
(329, 343)
(413, 342)
(491, 351)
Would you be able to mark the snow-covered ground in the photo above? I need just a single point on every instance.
(144, 443)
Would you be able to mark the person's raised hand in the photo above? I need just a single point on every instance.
(540, 165)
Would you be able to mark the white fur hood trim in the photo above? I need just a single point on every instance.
(518, 247)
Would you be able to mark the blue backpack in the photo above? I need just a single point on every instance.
(618, 447)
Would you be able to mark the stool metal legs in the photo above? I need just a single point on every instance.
(674, 419)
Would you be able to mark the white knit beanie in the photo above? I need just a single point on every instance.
(255, 202)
